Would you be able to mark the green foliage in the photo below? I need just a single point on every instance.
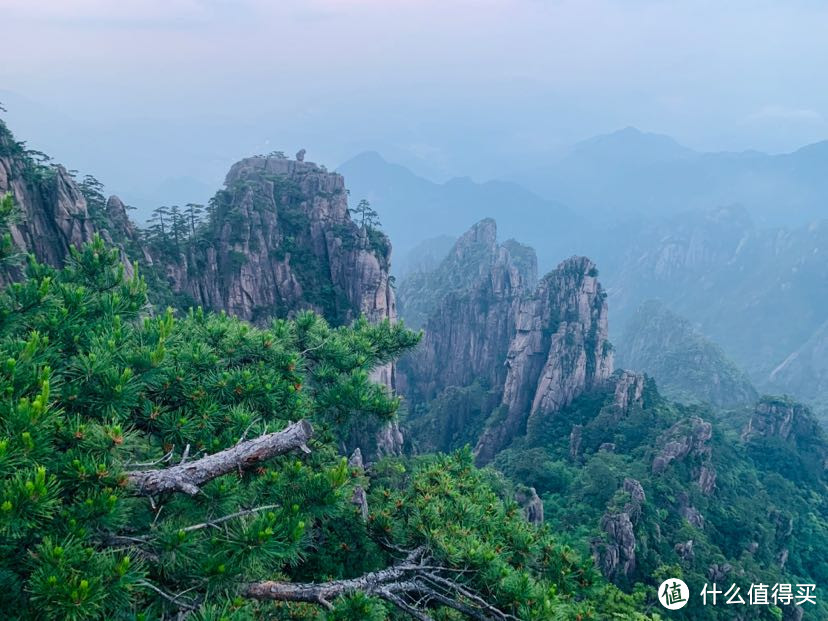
(769, 497)
(446, 503)
(9, 255)
(92, 387)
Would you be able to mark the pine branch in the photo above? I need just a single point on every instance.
(189, 477)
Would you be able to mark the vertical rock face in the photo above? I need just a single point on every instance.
(560, 349)
(688, 437)
(281, 240)
(467, 310)
(615, 553)
(789, 426)
(54, 212)
(54, 215)
(532, 505)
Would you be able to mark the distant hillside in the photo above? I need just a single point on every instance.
(761, 293)
(686, 366)
(634, 172)
(412, 208)
(424, 257)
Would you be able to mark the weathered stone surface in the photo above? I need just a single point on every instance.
(792, 424)
(692, 515)
(560, 349)
(718, 572)
(634, 489)
(686, 437)
(615, 554)
(390, 439)
(466, 308)
(629, 390)
(281, 240)
(575, 439)
(707, 479)
(685, 550)
(532, 505)
(615, 557)
(774, 418)
(54, 214)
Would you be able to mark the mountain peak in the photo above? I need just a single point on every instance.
(632, 143)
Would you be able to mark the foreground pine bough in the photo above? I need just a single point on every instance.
(411, 584)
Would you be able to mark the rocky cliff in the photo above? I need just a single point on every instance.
(786, 433)
(467, 309)
(493, 336)
(54, 214)
(280, 239)
(560, 350)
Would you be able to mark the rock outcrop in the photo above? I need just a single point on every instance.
(280, 240)
(688, 437)
(560, 350)
(615, 553)
(779, 418)
(467, 309)
(790, 427)
(54, 214)
(532, 505)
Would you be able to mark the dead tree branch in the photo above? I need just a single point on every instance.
(412, 585)
(189, 477)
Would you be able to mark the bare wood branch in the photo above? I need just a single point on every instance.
(217, 521)
(173, 599)
(189, 477)
(412, 585)
(400, 603)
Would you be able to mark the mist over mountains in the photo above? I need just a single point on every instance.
(733, 243)
(630, 172)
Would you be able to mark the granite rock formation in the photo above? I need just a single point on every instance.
(467, 309)
(54, 215)
(280, 240)
(560, 350)
(614, 554)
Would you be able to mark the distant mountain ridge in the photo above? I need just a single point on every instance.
(759, 293)
(630, 172)
(412, 208)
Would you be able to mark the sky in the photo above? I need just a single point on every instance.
(155, 94)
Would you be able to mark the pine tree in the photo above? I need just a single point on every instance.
(365, 214)
(193, 214)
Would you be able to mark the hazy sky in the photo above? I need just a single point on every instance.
(146, 92)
